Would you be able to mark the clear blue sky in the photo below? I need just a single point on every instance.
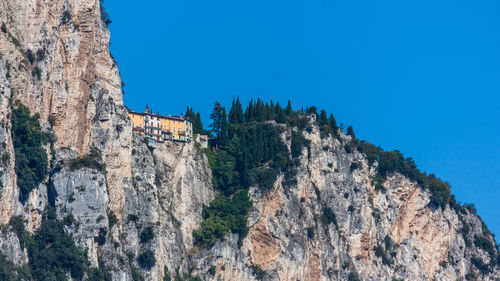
(419, 76)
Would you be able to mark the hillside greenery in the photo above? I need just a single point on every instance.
(31, 158)
(52, 254)
(247, 150)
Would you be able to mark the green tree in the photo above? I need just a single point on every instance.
(216, 116)
(249, 112)
(323, 119)
(333, 125)
(223, 172)
(350, 132)
(260, 110)
(190, 114)
(198, 126)
(279, 115)
(288, 109)
(236, 112)
(223, 134)
(196, 119)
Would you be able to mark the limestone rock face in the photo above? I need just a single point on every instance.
(82, 195)
(171, 182)
(55, 59)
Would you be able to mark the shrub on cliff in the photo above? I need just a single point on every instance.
(298, 143)
(91, 160)
(266, 179)
(146, 259)
(480, 265)
(147, 234)
(328, 216)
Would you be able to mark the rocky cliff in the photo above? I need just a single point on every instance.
(331, 223)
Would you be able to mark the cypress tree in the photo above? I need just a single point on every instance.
(280, 115)
(216, 116)
(249, 116)
(323, 120)
(267, 111)
(263, 113)
(288, 109)
(223, 128)
(239, 111)
(198, 126)
(333, 125)
(271, 110)
(350, 132)
(196, 119)
(236, 113)
(231, 117)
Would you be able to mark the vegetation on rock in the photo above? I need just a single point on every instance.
(52, 253)
(146, 259)
(147, 234)
(91, 160)
(31, 158)
(247, 151)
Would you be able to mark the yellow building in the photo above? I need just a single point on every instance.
(160, 127)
